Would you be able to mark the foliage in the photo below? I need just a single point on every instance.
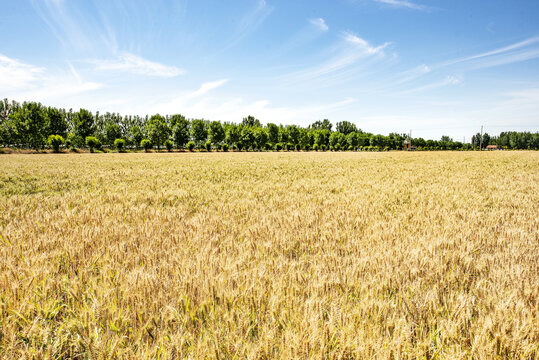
(30, 124)
(158, 130)
(119, 144)
(146, 144)
(225, 147)
(207, 146)
(84, 124)
(55, 141)
(216, 133)
(92, 142)
(168, 145)
(199, 131)
(190, 146)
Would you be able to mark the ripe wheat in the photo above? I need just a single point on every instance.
(270, 255)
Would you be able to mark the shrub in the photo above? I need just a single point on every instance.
(323, 147)
(239, 145)
(119, 144)
(168, 144)
(92, 143)
(146, 144)
(208, 146)
(225, 147)
(289, 147)
(331, 148)
(267, 146)
(55, 141)
(298, 147)
(190, 146)
(337, 147)
(315, 147)
(307, 147)
(278, 147)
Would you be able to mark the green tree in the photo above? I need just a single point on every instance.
(345, 127)
(55, 141)
(337, 138)
(56, 122)
(293, 134)
(247, 137)
(321, 125)
(232, 134)
(260, 137)
(199, 131)
(119, 144)
(379, 141)
(135, 135)
(146, 144)
(180, 132)
(168, 144)
(112, 132)
(92, 142)
(216, 132)
(352, 139)
(84, 123)
(158, 130)
(29, 123)
(250, 121)
(273, 133)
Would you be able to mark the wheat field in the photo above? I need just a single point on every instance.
(270, 256)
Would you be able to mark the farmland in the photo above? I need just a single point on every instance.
(270, 255)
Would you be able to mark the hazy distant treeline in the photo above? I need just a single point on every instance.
(33, 125)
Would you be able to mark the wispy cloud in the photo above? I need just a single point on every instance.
(320, 24)
(234, 108)
(413, 74)
(348, 53)
(187, 99)
(26, 81)
(250, 21)
(519, 51)
(15, 74)
(209, 86)
(403, 4)
(135, 64)
(447, 81)
(363, 45)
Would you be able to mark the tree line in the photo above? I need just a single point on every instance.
(33, 125)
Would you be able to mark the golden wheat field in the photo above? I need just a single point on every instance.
(270, 256)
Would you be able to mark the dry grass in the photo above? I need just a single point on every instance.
(288, 255)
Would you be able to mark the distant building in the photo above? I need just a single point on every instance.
(408, 146)
(493, 147)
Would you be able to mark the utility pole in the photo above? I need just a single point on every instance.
(481, 139)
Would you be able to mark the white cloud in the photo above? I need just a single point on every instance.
(349, 52)
(413, 74)
(28, 82)
(181, 101)
(15, 74)
(518, 52)
(320, 24)
(364, 45)
(403, 4)
(448, 81)
(208, 86)
(135, 64)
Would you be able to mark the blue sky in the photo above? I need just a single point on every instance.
(437, 67)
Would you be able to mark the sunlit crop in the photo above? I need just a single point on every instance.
(270, 255)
